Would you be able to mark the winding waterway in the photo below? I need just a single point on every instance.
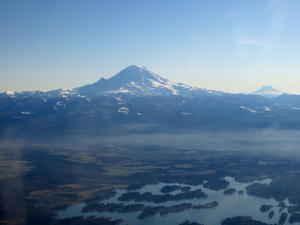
(229, 206)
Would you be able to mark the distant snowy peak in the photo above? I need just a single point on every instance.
(267, 91)
(133, 80)
(10, 93)
(137, 80)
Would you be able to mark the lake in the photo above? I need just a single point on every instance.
(229, 206)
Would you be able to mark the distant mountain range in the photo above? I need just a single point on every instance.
(133, 80)
(138, 81)
(137, 96)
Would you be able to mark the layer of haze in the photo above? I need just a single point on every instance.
(263, 141)
(232, 45)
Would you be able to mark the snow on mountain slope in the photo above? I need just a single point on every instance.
(137, 80)
(267, 91)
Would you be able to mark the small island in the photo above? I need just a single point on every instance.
(187, 222)
(240, 192)
(150, 211)
(282, 219)
(135, 187)
(229, 191)
(265, 208)
(149, 197)
(147, 211)
(171, 188)
(206, 206)
(216, 184)
(271, 214)
(175, 208)
(185, 188)
(241, 220)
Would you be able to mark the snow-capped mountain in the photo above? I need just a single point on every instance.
(133, 80)
(137, 80)
(138, 96)
(267, 91)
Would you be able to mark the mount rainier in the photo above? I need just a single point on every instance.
(140, 97)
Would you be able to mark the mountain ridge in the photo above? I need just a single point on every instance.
(132, 80)
(138, 80)
(151, 99)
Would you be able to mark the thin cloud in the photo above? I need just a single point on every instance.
(255, 42)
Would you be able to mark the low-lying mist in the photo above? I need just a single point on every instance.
(273, 141)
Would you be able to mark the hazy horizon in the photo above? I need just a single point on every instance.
(108, 77)
(66, 44)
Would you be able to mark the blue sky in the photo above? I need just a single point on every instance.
(230, 45)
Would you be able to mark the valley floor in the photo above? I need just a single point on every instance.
(39, 180)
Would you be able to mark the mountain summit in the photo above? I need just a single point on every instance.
(128, 98)
(267, 91)
(137, 80)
